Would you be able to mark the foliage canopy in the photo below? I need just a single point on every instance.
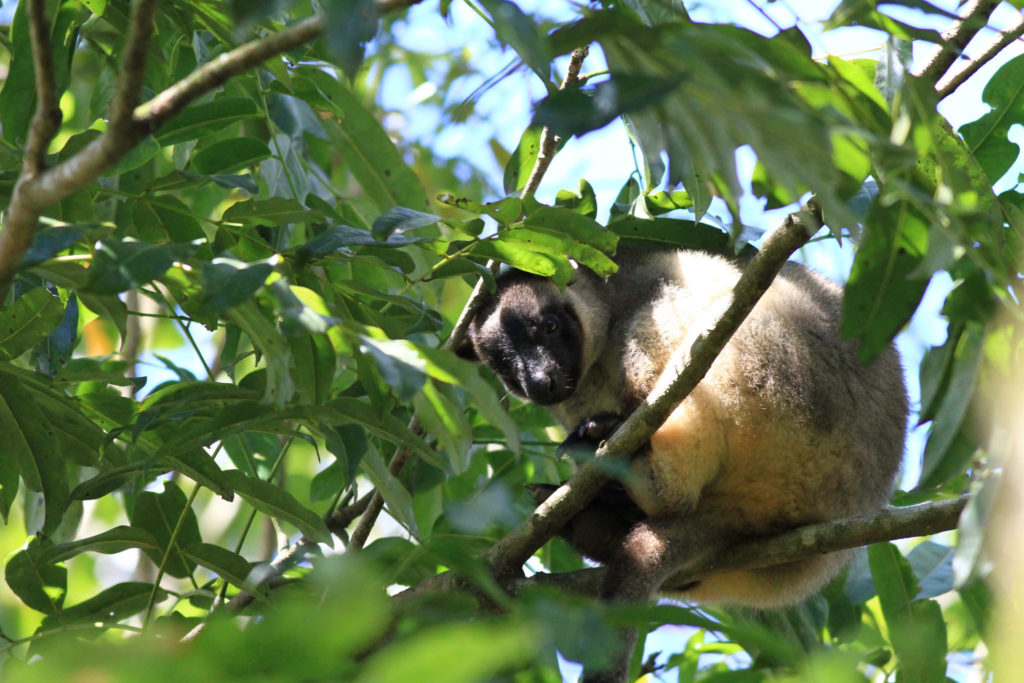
(249, 207)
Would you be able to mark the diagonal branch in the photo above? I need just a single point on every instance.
(507, 555)
(797, 544)
(974, 16)
(954, 79)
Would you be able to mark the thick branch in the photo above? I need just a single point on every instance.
(974, 16)
(20, 225)
(213, 74)
(508, 555)
(954, 79)
(800, 543)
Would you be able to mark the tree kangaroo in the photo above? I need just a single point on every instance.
(788, 427)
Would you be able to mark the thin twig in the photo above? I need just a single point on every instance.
(548, 140)
(376, 504)
(507, 555)
(954, 79)
(974, 16)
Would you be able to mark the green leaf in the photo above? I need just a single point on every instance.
(386, 426)
(955, 400)
(227, 283)
(164, 515)
(670, 232)
(524, 158)
(517, 30)
(400, 220)
(583, 201)
(988, 137)
(315, 365)
(882, 293)
(110, 605)
(466, 652)
(916, 629)
(118, 266)
(395, 495)
(575, 112)
(932, 564)
(229, 155)
(40, 584)
(350, 25)
(229, 566)
(275, 502)
(115, 540)
(368, 152)
(273, 347)
(35, 448)
(50, 241)
(159, 219)
(524, 256)
(274, 211)
(201, 120)
(28, 321)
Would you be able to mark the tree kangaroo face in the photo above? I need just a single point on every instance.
(533, 342)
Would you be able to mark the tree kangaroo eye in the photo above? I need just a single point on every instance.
(550, 324)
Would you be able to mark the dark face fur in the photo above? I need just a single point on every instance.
(532, 340)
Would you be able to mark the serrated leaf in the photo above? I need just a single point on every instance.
(200, 120)
(164, 515)
(115, 540)
(229, 155)
(39, 584)
(28, 321)
(275, 502)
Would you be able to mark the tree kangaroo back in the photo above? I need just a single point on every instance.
(786, 429)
